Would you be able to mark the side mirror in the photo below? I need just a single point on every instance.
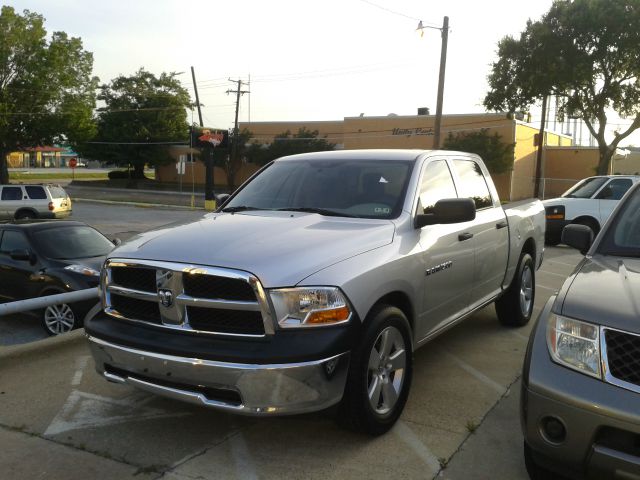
(116, 241)
(577, 236)
(22, 254)
(221, 198)
(448, 210)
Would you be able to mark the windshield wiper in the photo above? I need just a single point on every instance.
(321, 211)
(240, 208)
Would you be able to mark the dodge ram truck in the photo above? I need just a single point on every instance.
(312, 285)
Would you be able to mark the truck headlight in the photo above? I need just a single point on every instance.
(574, 344)
(82, 270)
(310, 306)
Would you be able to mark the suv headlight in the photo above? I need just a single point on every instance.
(574, 344)
(310, 306)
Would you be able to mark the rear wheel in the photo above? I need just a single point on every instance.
(25, 215)
(515, 306)
(380, 373)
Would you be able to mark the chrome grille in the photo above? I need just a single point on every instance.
(622, 355)
(186, 297)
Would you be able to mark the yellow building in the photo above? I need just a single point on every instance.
(416, 131)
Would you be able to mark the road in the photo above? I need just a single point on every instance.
(460, 422)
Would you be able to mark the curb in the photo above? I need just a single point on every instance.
(137, 204)
(42, 346)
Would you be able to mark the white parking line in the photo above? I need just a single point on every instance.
(81, 364)
(546, 272)
(555, 289)
(572, 265)
(477, 374)
(242, 458)
(404, 432)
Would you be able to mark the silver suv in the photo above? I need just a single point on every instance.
(33, 201)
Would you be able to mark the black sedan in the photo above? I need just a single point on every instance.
(45, 258)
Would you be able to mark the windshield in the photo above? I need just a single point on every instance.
(70, 242)
(351, 188)
(622, 237)
(585, 188)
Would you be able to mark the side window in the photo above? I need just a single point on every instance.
(11, 193)
(36, 192)
(436, 184)
(472, 183)
(615, 189)
(12, 240)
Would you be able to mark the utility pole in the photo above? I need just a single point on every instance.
(238, 91)
(444, 32)
(536, 187)
(207, 155)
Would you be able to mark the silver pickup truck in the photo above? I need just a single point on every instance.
(314, 283)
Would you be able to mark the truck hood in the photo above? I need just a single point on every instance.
(280, 248)
(606, 291)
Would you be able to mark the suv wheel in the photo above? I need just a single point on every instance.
(25, 215)
(58, 319)
(380, 373)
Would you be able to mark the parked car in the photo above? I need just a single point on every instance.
(589, 202)
(580, 403)
(47, 257)
(315, 282)
(23, 202)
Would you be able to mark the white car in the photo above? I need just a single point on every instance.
(589, 202)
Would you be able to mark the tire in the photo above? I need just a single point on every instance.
(59, 319)
(379, 376)
(535, 471)
(25, 215)
(515, 306)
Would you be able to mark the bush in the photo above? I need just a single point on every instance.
(118, 174)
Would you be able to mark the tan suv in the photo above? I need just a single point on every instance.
(33, 201)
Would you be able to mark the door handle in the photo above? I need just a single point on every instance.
(465, 236)
(502, 224)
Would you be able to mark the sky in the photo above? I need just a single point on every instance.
(306, 60)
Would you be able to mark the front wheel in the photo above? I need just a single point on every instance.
(380, 373)
(59, 319)
(515, 306)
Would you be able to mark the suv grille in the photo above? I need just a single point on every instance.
(186, 297)
(623, 355)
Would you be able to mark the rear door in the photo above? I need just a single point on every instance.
(11, 199)
(447, 254)
(490, 231)
(14, 274)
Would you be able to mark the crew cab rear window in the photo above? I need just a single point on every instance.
(36, 192)
(11, 193)
(472, 183)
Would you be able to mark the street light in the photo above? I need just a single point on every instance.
(444, 32)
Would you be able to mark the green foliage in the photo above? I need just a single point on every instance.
(47, 92)
(585, 52)
(287, 144)
(142, 114)
(497, 155)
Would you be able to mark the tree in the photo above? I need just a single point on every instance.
(585, 52)
(497, 155)
(142, 116)
(47, 91)
(222, 156)
(287, 144)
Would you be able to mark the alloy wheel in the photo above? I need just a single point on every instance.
(386, 370)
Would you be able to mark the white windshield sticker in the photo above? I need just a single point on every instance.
(383, 180)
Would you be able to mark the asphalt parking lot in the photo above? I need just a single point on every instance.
(59, 419)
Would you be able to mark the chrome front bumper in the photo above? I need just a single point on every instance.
(248, 389)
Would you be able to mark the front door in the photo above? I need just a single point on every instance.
(447, 255)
